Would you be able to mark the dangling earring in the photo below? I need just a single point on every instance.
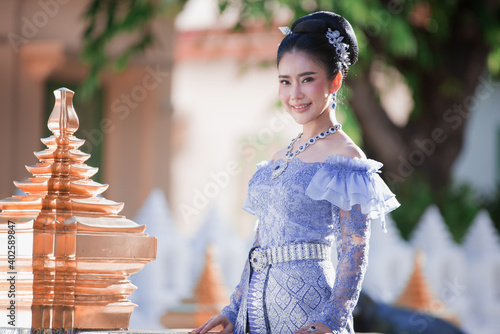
(333, 99)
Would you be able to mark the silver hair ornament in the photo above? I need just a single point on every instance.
(341, 48)
(285, 30)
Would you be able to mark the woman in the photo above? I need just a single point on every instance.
(319, 190)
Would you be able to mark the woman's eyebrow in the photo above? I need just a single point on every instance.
(300, 75)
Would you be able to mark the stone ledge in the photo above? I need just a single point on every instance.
(4, 330)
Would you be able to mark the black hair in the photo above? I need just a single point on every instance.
(309, 36)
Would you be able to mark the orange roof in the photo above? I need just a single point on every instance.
(255, 45)
(418, 296)
(210, 290)
(210, 296)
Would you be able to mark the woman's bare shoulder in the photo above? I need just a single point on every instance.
(352, 150)
(346, 147)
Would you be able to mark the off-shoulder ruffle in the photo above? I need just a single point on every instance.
(263, 163)
(345, 182)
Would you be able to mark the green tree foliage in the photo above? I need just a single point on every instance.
(107, 20)
(395, 29)
(458, 204)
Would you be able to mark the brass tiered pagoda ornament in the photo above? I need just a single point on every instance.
(66, 254)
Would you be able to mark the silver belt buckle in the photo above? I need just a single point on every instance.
(258, 259)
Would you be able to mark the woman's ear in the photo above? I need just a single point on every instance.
(337, 82)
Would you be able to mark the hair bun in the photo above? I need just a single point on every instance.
(319, 22)
(313, 26)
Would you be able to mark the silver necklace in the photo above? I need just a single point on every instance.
(281, 166)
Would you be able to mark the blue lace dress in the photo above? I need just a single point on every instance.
(329, 202)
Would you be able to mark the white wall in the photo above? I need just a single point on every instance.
(218, 107)
(477, 163)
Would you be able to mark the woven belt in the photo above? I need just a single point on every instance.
(260, 258)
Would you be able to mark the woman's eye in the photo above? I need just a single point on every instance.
(309, 79)
(284, 82)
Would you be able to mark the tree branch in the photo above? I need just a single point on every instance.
(382, 138)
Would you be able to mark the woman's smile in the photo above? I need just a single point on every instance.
(301, 107)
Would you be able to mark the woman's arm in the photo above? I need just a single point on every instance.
(355, 234)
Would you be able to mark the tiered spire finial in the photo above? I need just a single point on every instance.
(79, 251)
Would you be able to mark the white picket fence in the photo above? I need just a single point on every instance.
(466, 277)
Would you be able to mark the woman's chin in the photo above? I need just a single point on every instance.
(301, 120)
(304, 118)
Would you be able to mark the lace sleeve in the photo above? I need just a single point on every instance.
(231, 310)
(354, 235)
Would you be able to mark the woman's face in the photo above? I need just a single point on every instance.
(304, 88)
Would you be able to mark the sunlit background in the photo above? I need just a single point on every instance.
(177, 102)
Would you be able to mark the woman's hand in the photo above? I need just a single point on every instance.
(214, 321)
(315, 328)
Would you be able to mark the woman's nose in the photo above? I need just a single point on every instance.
(296, 92)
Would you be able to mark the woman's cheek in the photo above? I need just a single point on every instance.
(283, 96)
(315, 87)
